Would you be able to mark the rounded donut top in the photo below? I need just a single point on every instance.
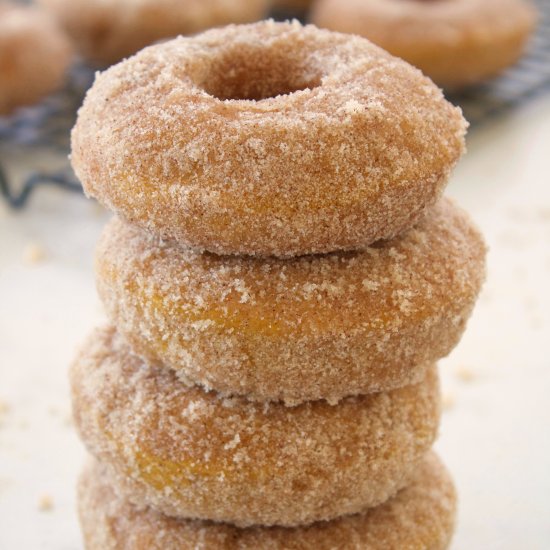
(267, 139)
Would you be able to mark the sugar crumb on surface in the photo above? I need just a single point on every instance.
(465, 373)
(33, 253)
(448, 400)
(45, 503)
(5, 407)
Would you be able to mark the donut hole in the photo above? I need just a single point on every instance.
(258, 74)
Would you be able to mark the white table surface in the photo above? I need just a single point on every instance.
(495, 434)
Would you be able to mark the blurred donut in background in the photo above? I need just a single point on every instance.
(291, 5)
(34, 56)
(106, 31)
(455, 42)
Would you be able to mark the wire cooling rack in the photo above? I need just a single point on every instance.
(529, 77)
(47, 126)
(35, 130)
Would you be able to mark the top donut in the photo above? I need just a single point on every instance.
(270, 139)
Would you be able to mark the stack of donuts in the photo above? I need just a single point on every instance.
(281, 278)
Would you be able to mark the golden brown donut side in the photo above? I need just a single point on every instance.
(419, 516)
(194, 454)
(356, 154)
(303, 329)
(108, 31)
(34, 56)
(455, 43)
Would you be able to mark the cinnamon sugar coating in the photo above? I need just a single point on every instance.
(106, 31)
(267, 139)
(456, 43)
(317, 327)
(189, 453)
(34, 56)
(420, 516)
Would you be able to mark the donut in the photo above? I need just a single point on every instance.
(34, 56)
(270, 139)
(419, 516)
(456, 43)
(291, 5)
(315, 327)
(106, 31)
(189, 453)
